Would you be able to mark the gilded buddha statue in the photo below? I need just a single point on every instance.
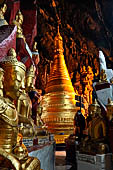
(18, 22)
(30, 79)
(103, 76)
(2, 12)
(24, 109)
(96, 141)
(21, 154)
(13, 75)
(35, 54)
(97, 127)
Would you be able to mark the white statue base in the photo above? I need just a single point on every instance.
(94, 162)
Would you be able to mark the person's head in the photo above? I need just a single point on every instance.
(34, 96)
(14, 71)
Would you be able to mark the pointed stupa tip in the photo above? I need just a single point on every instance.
(58, 41)
(58, 36)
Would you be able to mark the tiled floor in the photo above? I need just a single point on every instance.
(60, 162)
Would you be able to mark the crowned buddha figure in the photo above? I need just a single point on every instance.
(18, 22)
(96, 141)
(30, 79)
(97, 127)
(30, 83)
(13, 75)
(35, 54)
(30, 89)
(8, 130)
(21, 154)
(24, 109)
(13, 72)
(2, 12)
(103, 76)
(109, 107)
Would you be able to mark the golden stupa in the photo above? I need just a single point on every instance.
(59, 100)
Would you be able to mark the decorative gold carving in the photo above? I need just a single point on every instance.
(18, 22)
(2, 12)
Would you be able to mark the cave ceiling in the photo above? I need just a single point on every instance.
(89, 21)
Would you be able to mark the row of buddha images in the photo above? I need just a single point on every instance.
(12, 150)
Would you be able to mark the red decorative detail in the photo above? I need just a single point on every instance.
(30, 26)
(7, 43)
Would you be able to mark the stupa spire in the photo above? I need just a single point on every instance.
(59, 101)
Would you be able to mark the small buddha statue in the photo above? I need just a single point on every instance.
(30, 89)
(18, 22)
(103, 77)
(24, 108)
(98, 130)
(109, 107)
(97, 121)
(35, 54)
(21, 154)
(30, 79)
(96, 141)
(13, 75)
(2, 12)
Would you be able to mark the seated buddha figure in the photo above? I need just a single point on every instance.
(24, 109)
(30, 79)
(18, 22)
(97, 127)
(13, 74)
(103, 76)
(21, 154)
(30, 89)
(35, 54)
(96, 141)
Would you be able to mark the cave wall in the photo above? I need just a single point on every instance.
(80, 21)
